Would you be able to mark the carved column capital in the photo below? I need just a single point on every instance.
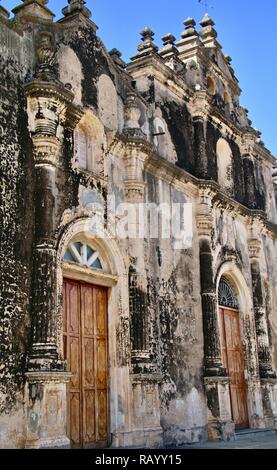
(204, 216)
(254, 248)
(200, 104)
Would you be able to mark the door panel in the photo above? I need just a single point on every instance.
(86, 351)
(233, 361)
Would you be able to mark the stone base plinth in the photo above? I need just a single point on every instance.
(46, 410)
(220, 423)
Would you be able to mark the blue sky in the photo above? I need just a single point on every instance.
(246, 29)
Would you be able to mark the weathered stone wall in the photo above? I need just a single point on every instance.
(16, 222)
(164, 321)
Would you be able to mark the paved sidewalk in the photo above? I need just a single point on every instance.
(255, 442)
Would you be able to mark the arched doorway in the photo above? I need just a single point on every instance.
(232, 351)
(85, 335)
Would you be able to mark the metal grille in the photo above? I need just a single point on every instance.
(226, 294)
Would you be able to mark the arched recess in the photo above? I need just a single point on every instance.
(90, 144)
(70, 71)
(211, 86)
(225, 165)
(108, 273)
(243, 303)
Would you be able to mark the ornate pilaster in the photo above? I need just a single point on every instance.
(265, 359)
(213, 364)
(220, 425)
(135, 156)
(267, 375)
(49, 110)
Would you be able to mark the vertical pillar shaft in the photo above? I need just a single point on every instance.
(265, 359)
(200, 147)
(213, 363)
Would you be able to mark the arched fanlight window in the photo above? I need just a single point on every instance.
(226, 294)
(82, 254)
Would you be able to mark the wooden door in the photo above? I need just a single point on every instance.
(86, 352)
(233, 361)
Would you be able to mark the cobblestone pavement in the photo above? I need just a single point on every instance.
(255, 442)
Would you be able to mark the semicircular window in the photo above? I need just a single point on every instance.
(226, 294)
(82, 254)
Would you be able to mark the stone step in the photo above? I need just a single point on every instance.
(253, 433)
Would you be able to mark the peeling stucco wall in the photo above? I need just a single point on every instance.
(168, 291)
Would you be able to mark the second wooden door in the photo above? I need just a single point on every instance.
(233, 361)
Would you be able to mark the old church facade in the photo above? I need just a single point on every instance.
(121, 342)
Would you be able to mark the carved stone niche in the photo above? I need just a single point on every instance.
(46, 410)
(220, 424)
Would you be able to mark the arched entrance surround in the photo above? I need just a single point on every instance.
(112, 283)
(242, 315)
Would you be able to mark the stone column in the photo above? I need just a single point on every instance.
(200, 111)
(265, 358)
(136, 151)
(50, 109)
(146, 428)
(220, 425)
(249, 182)
(213, 363)
(267, 375)
(47, 103)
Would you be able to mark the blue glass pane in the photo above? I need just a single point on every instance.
(78, 246)
(97, 264)
(90, 252)
(68, 256)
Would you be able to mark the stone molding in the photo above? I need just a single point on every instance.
(48, 377)
(150, 378)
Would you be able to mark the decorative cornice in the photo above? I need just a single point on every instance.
(55, 89)
(48, 377)
(211, 381)
(144, 378)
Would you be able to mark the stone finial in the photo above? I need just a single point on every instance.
(116, 57)
(147, 36)
(77, 12)
(76, 6)
(189, 28)
(148, 46)
(190, 38)
(168, 50)
(168, 39)
(208, 34)
(35, 8)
